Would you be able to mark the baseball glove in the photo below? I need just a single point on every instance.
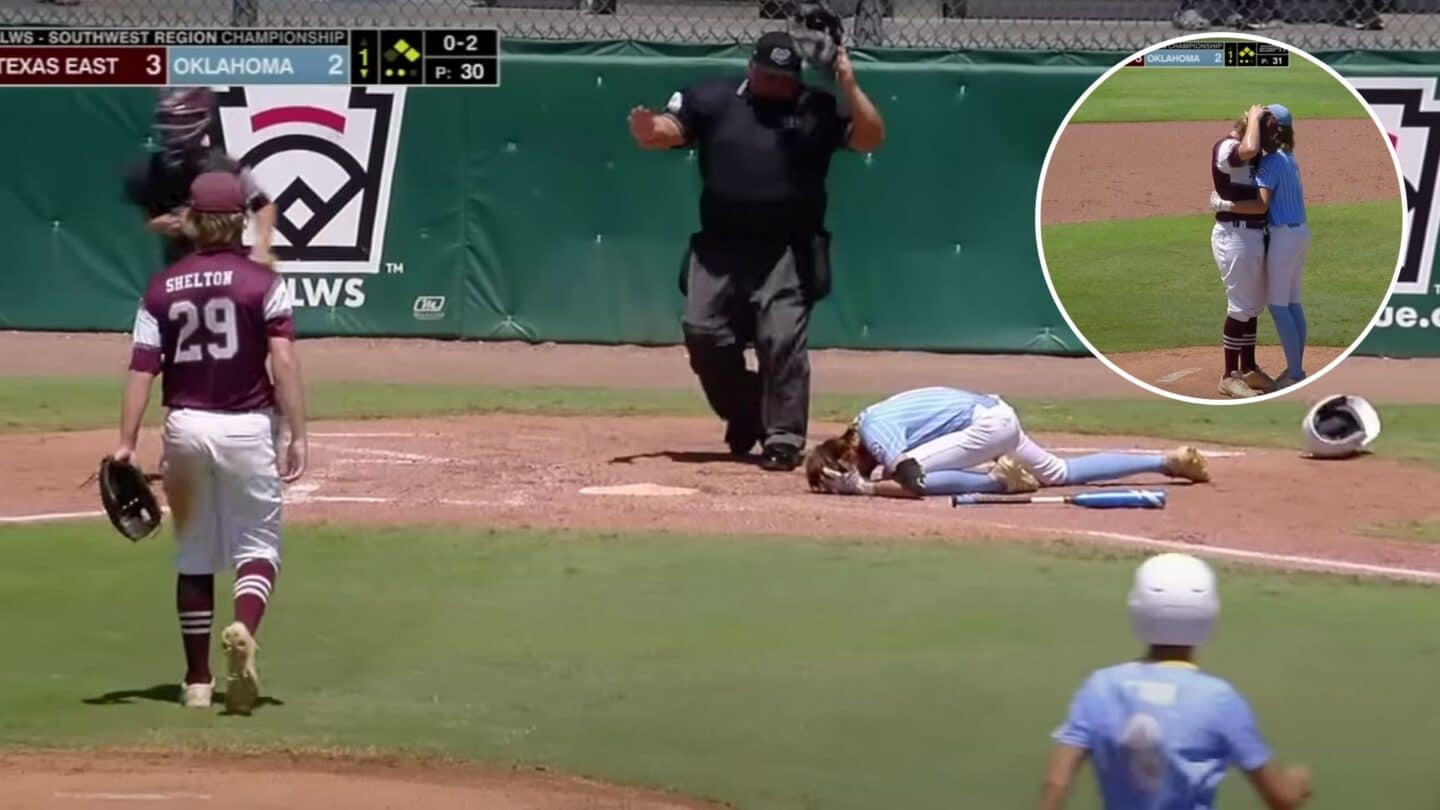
(125, 492)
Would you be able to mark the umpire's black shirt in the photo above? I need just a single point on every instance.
(160, 188)
(763, 163)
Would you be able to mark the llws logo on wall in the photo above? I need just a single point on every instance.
(326, 156)
(1409, 110)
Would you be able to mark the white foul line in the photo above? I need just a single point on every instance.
(49, 517)
(132, 797)
(368, 435)
(1298, 561)
(1178, 375)
(1136, 451)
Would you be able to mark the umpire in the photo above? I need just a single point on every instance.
(160, 185)
(761, 258)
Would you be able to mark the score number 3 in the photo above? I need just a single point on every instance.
(218, 315)
(154, 65)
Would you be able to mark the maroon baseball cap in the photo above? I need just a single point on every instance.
(217, 193)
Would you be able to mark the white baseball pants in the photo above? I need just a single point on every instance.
(1285, 264)
(1240, 254)
(224, 488)
(992, 433)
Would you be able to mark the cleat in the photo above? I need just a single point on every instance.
(1233, 385)
(1013, 476)
(197, 695)
(781, 458)
(1258, 380)
(242, 687)
(1187, 462)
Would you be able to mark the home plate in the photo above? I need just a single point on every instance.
(638, 489)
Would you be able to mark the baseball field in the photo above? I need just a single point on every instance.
(527, 577)
(1125, 228)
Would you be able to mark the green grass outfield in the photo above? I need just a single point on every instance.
(1140, 284)
(765, 673)
(1217, 94)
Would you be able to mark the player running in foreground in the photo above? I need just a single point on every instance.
(207, 325)
(1160, 732)
(933, 441)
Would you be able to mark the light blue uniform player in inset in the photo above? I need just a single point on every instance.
(1160, 732)
(933, 441)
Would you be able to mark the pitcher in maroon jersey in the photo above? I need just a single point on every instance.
(207, 326)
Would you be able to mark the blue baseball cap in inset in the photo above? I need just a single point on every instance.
(1282, 114)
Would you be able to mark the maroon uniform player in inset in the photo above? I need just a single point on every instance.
(1237, 242)
(207, 326)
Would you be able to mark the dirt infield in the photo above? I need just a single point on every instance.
(534, 472)
(1130, 171)
(1194, 370)
(37, 781)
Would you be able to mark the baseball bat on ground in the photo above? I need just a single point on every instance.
(1112, 499)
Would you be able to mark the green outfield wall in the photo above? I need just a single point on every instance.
(525, 213)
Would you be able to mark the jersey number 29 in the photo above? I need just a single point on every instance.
(217, 318)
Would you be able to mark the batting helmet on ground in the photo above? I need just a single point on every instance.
(1174, 601)
(1340, 427)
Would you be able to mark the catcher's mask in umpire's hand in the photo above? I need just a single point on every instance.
(182, 118)
(817, 31)
(127, 498)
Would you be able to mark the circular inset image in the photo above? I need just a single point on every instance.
(1220, 219)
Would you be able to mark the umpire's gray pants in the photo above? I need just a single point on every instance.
(738, 292)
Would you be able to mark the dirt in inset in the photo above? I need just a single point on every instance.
(1195, 370)
(1132, 171)
(39, 781)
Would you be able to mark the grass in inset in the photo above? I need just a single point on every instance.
(1143, 284)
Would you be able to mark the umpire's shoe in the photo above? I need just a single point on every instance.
(742, 438)
(780, 458)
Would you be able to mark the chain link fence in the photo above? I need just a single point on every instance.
(1102, 25)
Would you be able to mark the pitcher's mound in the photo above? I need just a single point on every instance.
(638, 489)
(76, 781)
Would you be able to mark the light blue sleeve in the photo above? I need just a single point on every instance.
(1265, 172)
(1077, 731)
(1245, 748)
(884, 440)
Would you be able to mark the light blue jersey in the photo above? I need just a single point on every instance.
(1161, 735)
(1280, 173)
(911, 418)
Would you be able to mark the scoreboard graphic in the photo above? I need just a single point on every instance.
(255, 56)
(1214, 54)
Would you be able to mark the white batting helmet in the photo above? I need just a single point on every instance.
(1174, 600)
(1339, 427)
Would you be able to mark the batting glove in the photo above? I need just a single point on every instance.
(849, 482)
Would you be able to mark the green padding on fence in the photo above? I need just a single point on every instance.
(524, 212)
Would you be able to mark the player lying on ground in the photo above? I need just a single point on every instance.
(934, 441)
(1160, 732)
(207, 325)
